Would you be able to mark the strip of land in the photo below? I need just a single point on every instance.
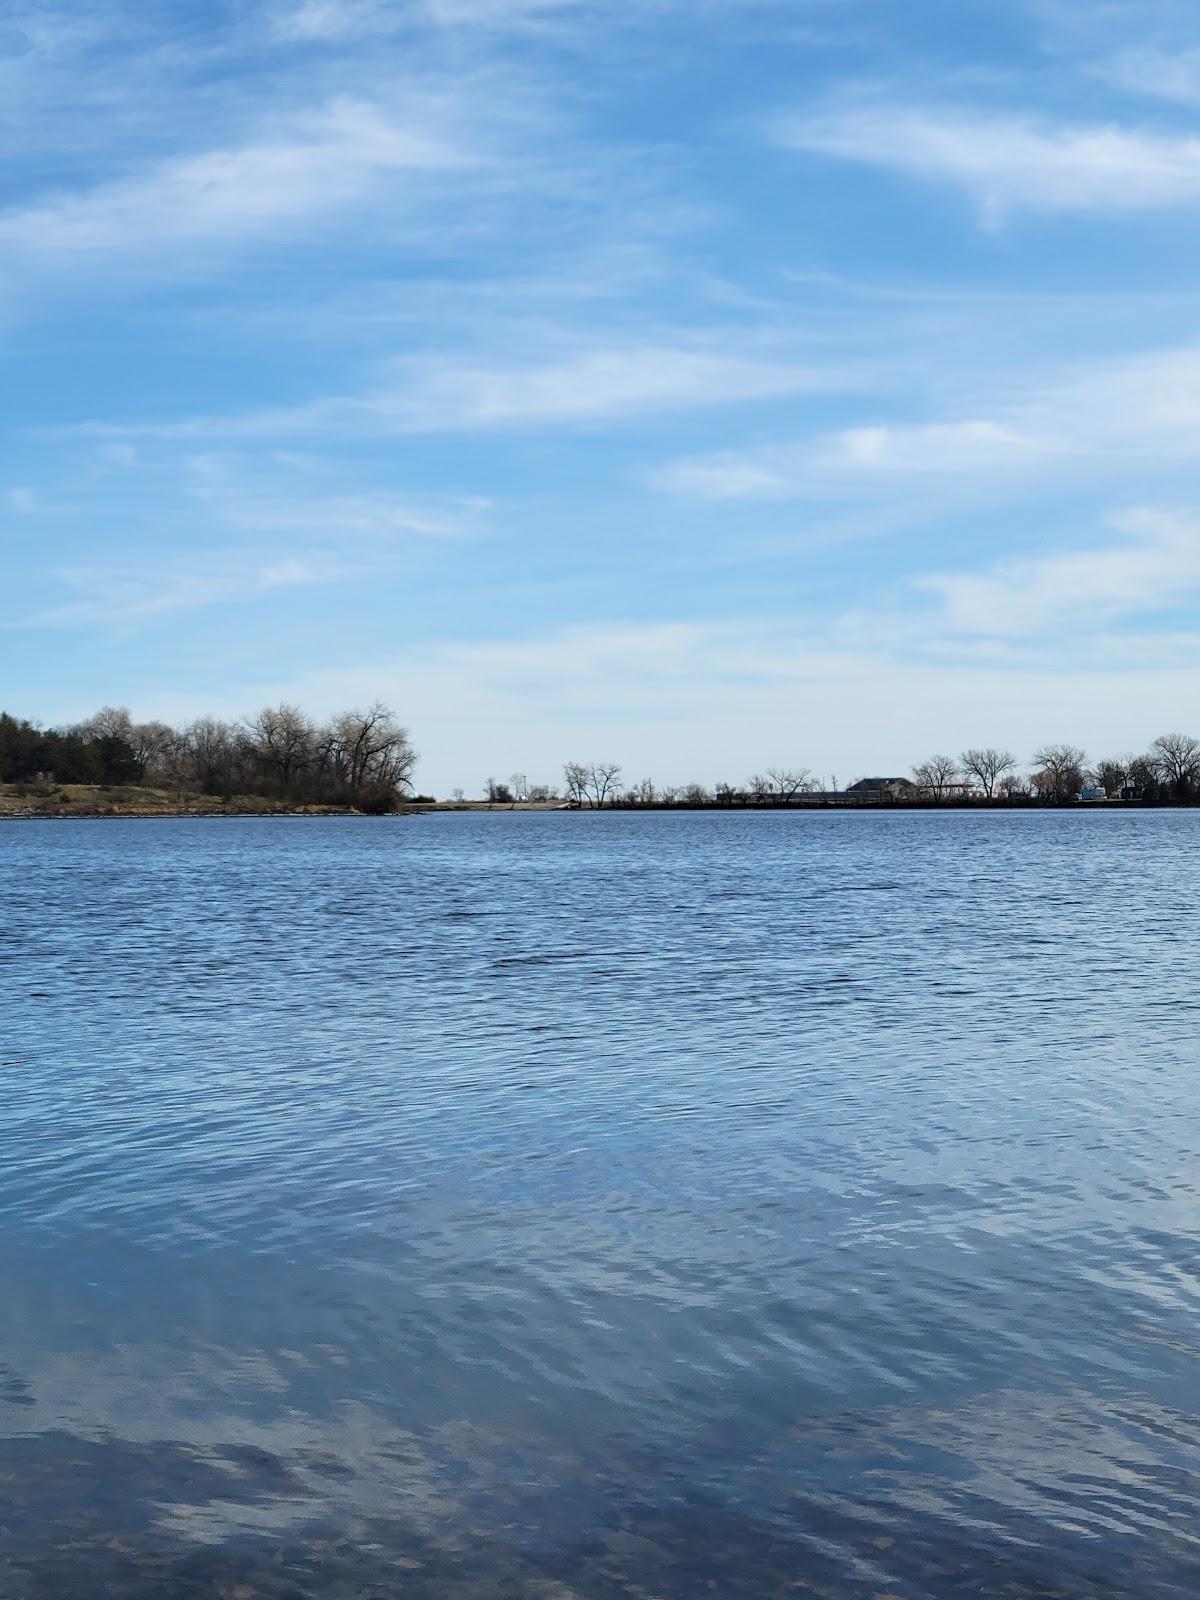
(19, 801)
(282, 762)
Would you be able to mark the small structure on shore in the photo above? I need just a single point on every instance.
(882, 789)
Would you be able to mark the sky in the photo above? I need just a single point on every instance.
(702, 385)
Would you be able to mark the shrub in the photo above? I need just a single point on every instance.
(380, 804)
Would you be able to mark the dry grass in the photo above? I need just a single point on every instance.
(91, 800)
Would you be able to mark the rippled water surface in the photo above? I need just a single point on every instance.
(617, 1205)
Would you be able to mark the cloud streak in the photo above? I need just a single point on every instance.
(325, 20)
(1009, 164)
(618, 383)
(328, 162)
(1154, 567)
(1097, 420)
(135, 597)
(1159, 74)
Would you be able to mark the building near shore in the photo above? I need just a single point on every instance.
(882, 789)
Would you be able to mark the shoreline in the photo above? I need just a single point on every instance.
(117, 813)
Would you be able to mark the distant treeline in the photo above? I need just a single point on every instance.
(358, 758)
(1168, 772)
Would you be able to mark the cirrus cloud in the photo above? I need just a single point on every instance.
(1009, 163)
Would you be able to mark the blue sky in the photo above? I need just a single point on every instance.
(699, 384)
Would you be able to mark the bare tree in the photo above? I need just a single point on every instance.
(1143, 775)
(603, 781)
(1177, 756)
(282, 738)
(519, 784)
(371, 751)
(936, 776)
(110, 722)
(155, 749)
(988, 765)
(212, 755)
(575, 776)
(1060, 770)
(787, 782)
(759, 787)
(152, 746)
(695, 794)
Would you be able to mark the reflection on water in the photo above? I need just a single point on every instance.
(580, 1206)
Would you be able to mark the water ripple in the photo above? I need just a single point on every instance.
(601, 1206)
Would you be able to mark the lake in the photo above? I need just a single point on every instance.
(607, 1205)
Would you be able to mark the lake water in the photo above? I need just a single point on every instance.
(601, 1206)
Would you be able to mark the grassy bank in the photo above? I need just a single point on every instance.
(92, 800)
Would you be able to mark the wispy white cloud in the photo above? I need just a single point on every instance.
(329, 19)
(122, 598)
(285, 495)
(853, 459)
(578, 387)
(301, 172)
(200, 530)
(1153, 566)
(1098, 420)
(1007, 163)
(352, 519)
(1161, 74)
(603, 383)
(349, 19)
(592, 384)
